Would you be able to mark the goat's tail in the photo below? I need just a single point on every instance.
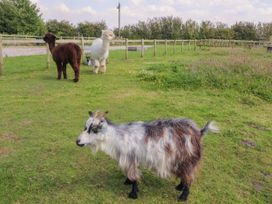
(210, 126)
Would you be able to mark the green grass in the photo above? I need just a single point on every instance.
(40, 118)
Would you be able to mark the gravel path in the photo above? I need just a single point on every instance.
(28, 51)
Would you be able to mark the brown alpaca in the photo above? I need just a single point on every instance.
(64, 54)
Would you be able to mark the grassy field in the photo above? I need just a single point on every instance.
(40, 118)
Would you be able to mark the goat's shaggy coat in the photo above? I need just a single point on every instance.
(170, 147)
(64, 54)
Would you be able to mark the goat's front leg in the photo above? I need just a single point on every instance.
(127, 182)
(134, 190)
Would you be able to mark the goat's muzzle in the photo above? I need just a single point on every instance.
(80, 145)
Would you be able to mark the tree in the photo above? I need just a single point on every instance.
(190, 30)
(8, 16)
(207, 30)
(61, 28)
(20, 17)
(245, 31)
(91, 29)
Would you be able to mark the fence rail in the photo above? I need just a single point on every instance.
(126, 44)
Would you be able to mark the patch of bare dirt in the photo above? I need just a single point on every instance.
(9, 136)
(248, 143)
(5, 151)
(257, 126)
(257, 186)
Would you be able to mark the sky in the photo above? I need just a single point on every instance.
(226, 11)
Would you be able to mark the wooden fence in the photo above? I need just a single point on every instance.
(126, 44)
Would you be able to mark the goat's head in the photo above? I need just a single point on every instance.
(95, 126)
(50, 37)
(107, 35)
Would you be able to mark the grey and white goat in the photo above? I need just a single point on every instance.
(169, 146)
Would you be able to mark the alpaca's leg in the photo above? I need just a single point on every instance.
(64, 70)
(76, 68)
(103, 66)
(59, 67)
(96, 66)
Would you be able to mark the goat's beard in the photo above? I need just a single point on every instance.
(93, 148)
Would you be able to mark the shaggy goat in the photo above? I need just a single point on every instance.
(100, 51)
(64, 54)
(169, 146)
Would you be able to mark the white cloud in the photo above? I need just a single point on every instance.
(63, 8)
(89, 10)
(226, 11)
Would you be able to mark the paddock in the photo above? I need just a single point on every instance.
(40, 118)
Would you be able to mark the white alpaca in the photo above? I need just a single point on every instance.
(100, 51)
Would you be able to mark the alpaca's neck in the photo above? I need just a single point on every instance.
(51, 46)
(106, 44)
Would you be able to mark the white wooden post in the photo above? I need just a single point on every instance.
(82, 48)
(155, 48)
(1, 57)
(48, 55)
(142, 48)
(165, 47)
(126, 49)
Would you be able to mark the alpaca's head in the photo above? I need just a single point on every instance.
(107, 35)
(50, 38)
(95, 126)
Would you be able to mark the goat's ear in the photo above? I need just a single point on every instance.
(90, 113)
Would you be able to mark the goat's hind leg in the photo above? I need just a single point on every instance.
(187, 180)
(180, 187)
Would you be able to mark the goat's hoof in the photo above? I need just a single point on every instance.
(75, 80)
(132, 195)
(182, 198)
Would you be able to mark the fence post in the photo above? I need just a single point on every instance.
(126, 49)
(142, 48)
(195, 45)
(48, 55)
(165, 47)
(182, 43)
(82, 48)
(155, 48)
(189, 45)
(175, 43)
(1, 57)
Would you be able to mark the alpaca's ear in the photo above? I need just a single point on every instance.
(90, 113)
